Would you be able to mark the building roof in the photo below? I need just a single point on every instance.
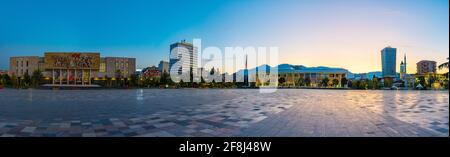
(288, 68)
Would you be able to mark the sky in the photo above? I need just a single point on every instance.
(336, 33)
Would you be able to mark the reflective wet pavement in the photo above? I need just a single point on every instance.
(222, 112)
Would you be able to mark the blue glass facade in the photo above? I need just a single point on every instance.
(388, 61)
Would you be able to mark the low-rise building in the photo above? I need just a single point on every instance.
(117, 67)
(425, 67)
(73, 68)
(163, 67)
(3, 72)
(150, 72)
(296, 76)
(19, 66)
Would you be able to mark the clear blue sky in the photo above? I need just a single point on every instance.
(339, 33)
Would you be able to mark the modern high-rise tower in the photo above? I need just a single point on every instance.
(388, 62)
(186, 54)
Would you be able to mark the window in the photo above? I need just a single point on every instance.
(27, 63)
(102, 67)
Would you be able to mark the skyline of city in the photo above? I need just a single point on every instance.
(352, 34)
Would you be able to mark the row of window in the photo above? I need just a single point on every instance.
(21, 63)
(311, 74)
(21, 71)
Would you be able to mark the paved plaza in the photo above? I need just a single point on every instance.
(222, 112)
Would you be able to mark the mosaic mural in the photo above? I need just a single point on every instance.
(72, 60)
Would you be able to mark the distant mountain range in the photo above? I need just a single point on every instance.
(302, 68)
(296, 68)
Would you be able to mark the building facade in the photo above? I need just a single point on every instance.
(151, 72)
(183, 58)
(312, 77)
(19, 66)
(116, 67)
(300, 76)
(163, 67)
(3, 72)
(73, 68)
(388, 62)
(425, 67)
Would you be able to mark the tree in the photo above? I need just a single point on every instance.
(108, 82)
(2, 80)
(349, 84)
(335, 82)
(133, 80)
(181, 83)
(8, 80)
(36, 78)
(118, 80)
(375, 82)
(307, 81)
(344, 82)
(421, 81)
(281, 80)
(14, 81)
(165, 78)
(324, 82)
(26, 80)
(301, 81)
(363, 84)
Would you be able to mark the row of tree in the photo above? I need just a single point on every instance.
(306, 82)
(37, 79)
(25, 81)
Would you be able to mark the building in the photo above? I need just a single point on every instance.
(186, 55)
(425, 67)
(73, 68)
(388, 62)
(19, 66)
(117, 67)
(314, 75)
(403, 68)
(163, 67)
(300, 76)
(3, 72)
(151, 72)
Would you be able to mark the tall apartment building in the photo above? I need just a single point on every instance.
(184, 53)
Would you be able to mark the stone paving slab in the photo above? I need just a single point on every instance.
(223, 113)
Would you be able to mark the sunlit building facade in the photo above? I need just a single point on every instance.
(73, 68)
(426, 67)
(301, 76)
